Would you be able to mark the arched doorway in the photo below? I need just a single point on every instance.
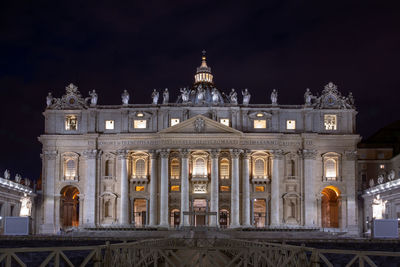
(330, 207)
(69, 208)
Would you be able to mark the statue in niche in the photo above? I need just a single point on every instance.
(7, 174)
(165, 96)
(125, 98)
(185, 94)
(93, 98)
(233, 97)
(215, 96)
(18, 178)
(308, 97)
(201, 94)
(155, 95)
(246, 96)
(49, 99)
(274, 97)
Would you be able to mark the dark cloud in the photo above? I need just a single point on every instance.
(287, 45)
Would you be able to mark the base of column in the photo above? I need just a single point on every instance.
(235, 226)
(48, 229)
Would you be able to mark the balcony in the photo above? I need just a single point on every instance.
(139, 179)
(260, 179)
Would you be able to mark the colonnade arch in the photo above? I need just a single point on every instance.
(330, 207)
(69, 207)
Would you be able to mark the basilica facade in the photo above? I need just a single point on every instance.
(204, 159)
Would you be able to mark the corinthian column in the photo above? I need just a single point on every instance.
(310, 210)
(164, 154)
(235, 188)
(49, 162)
(153, 189)
(246, 189)
(185, 186)
(89, 209)
(214, 187)
(124, 183)
(277, 157)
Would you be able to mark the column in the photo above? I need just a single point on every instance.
(89, 209)
(309, 187)
(214, 222)
(277, 157)
(350, 175)
(164, 189)
(124, 183)
(153, 189)
(235, 188)
(246, 189)
(49, 158)
(184, 186)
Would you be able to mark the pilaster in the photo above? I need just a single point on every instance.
(89, 211)
(246, 189)
(153, 188)
(164, 209)
(124, 183)
(277, 173)
(235, 153)
(310, 203)
(214, 198)
(48, 226)
(184, 153)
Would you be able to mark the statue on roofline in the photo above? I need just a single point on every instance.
(233, 97)
(246, 96)
(125, 98)
(155, 95)
(185, 94)
(49, 99)
(274, 97)
(93, 98)
(7, 174)
(165, 96)
(215, 96)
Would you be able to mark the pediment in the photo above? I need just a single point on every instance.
(200, 125)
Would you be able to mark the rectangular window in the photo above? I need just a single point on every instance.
(174, 121)
(260, 124)
(71, 123)
(139, 188)
(175, 188)
(330, 122)
(140, 124)
(224, 121)
(224, 188)
(290, 124)
(260, 188)
(109, 125)
(382, 166)
(11, 210)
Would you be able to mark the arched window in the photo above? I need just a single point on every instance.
(200, 167)
(259, 168)
(330, 169)
(224, 169)
(290, 168)
(175, 170)
(109, 168)
(140, 168)
(70, 169)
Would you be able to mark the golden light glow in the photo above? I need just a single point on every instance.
(109, 125)
(175, 188)
(71, 123)
(139, 188)
(139, 115)
(260, 114)
(140, 124)
(330, 122)
(174, 121)
(224, 121)
(334, 188)
(260, 188)
(291, 124)
(224, 188)
(260, 124)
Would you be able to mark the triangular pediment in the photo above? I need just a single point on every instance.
(200, 125)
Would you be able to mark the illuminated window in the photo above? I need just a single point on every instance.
(260, 124)
(175, 168)
(224, 188)
(382, 166)
(330, 122)
(70, 169)
(291, 124)
(174, 121)
(109, 167)
(200, 167)
(175, 188)
(224, 169)
(139, 114)
(259, 168)
(71, 123)
(330, 169)
(224, 121)
(109, 125)
(140, 124)
(259, 115)
(260, 189)
(140, 168)
(139, 188)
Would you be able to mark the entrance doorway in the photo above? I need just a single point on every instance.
(260, 212)
(175, 217)
(139, 212)
(223, 218)
(69, 207)
(330, 207)
(199, 208)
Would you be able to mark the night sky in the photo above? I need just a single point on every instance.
(44, 46)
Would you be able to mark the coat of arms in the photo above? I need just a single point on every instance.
(199, 125)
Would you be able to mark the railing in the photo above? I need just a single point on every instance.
(194, 252)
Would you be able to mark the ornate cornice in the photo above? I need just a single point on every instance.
(235, 153)
(278, 154)
(246, 154)
(184, 153)
(164, 153)
(122, 154)
(214, 153)
(90, 154)
(50, 154)
(309, 153)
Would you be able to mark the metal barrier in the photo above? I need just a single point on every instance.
(194, 252)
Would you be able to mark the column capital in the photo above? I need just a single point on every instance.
(277, 154)
(50, 154)
(164, 153)
(153, 154)
(308, 153)
(350, 155)
(246, 153)
(122, 153)
(214, 153)
(235, 153)
(184, 153)
(90, 153)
